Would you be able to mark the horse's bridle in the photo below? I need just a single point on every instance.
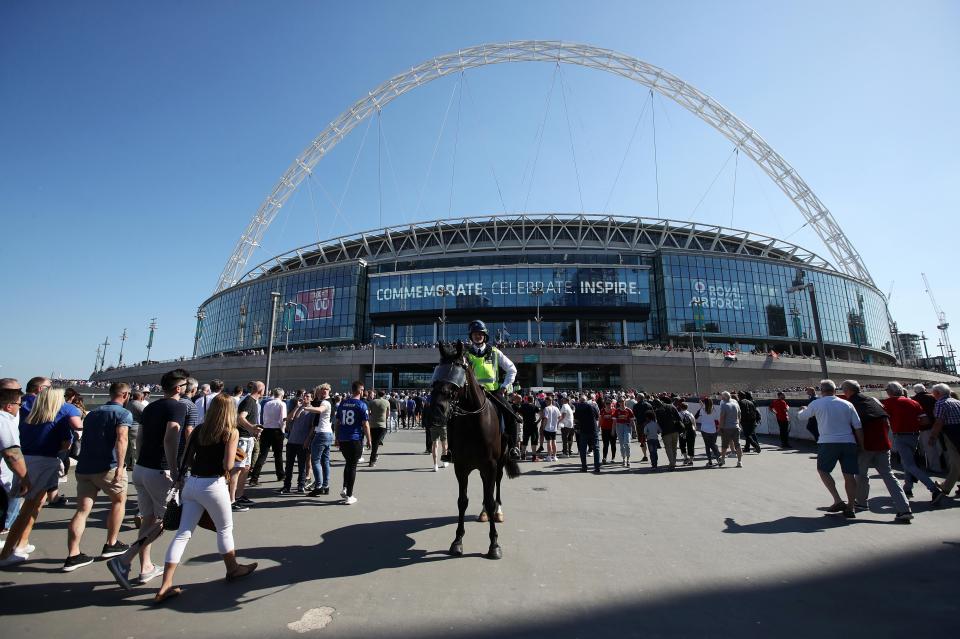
(455, 374)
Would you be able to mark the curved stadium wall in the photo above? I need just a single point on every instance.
(594, 278)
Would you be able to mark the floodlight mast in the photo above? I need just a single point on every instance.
(845, 256)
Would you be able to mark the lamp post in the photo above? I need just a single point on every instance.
(373, 368)
(538, 293)
(800, 285)
(274, 298)
(696, 374)
(123, 338)
(201, 315)
(795, 312)
(443, 291)
(153, 328)
(698, 303)
(288, 311)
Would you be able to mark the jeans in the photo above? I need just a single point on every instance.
(653, 446)
(952, 440)
(710, 444)
(879, 459)
(586, 439)
(270, 438)
(623, 436)
(609, 443)
(320, 458)
(784, 433)
(376, 434)
(905, 445)
(295, 452)
(352, 450)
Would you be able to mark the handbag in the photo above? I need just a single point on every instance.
(171, 518)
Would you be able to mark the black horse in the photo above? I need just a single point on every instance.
(458, 402)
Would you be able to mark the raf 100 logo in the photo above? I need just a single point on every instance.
(716, 295)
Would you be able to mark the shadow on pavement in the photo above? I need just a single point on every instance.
(352, 550)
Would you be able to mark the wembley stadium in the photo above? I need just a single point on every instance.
(577, 300)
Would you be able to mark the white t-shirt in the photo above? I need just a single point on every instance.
(551, 418)
(566, 416)
(274, 412)
(203, 403)
(836, 419)
(9, 438)
(323, 423)
(708, 421)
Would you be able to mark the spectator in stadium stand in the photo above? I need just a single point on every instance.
(781, 412)
(906, 416)
(840, 438)
(585, 416)
(947, 421)
(932, 448)
(749, 418)
(729, 427)
(875, 424)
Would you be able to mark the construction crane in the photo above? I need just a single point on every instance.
(942, 325)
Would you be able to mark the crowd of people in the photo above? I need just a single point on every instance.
(192, 450)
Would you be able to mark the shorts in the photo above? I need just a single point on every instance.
(438, 433)
(246, 444)
(88, 485)
(549, 436)
(729, 437)
(153, 489)
(531, 436)
(43, 472)
(829, 454)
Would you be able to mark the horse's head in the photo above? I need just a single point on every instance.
(450, 377)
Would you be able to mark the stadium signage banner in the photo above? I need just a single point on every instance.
(716, 295)
(556, 287)
(314, 304)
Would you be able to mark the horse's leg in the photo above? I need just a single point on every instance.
(498, 517)
(456, 548)
(488, 473)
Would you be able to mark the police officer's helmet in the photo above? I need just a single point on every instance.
(477, 326)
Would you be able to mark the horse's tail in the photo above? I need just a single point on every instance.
(512, 468)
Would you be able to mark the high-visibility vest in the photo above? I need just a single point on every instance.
(485, 369)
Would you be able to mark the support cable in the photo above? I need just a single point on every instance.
(493, 170)
(393, 173)
(573, 151)
(436, 146)
(656, 165)
(714, 181)
(456, 143)
(733, 202)
(539, 137)
(626, 152)
(346, 189)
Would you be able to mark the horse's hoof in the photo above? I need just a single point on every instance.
(494, 553)
(498, 517)
(456, 549)
(483, 517)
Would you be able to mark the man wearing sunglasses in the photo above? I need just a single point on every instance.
(13, 469)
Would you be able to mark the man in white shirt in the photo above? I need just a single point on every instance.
(13, 468)
(550, 422)
(841, 439)
(273, 416)
(205, 398)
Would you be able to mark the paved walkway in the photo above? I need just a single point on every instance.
(694, 553)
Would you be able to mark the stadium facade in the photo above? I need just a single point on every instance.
(590, 279)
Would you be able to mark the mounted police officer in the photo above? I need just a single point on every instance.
(487, 362)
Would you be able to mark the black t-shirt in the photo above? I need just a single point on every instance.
(251, 407)
(153, 426)
(530, 413)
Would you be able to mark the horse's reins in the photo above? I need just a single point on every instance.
(457, 411)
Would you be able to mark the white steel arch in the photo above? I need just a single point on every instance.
(846, 257)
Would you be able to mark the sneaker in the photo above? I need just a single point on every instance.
(77, 561)
(596, 471)
(360, 461)
(13, 559)
(253, 482)
(112, 550)
(908, 491)
(343, 492)
(644, 458)
(937, 500)
(284, 491)
(316, 492)
(849, 514)
(739, 464)
(153, 574)
(444, 464)
(836, 508)
(324, 490)
(239, 508)
(436, 468)
(301, 490)
(246, 501)
(709, 464)
(25, 550)
(349, 501)
(903, 518)
(120, 572)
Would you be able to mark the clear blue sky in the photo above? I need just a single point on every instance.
(137, 140)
